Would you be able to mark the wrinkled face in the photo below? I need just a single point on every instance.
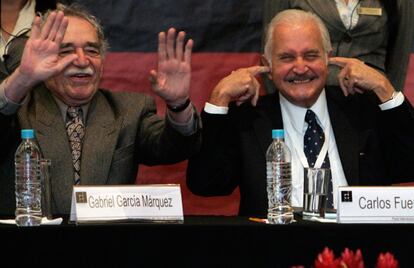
(299, 63)
(79, 81)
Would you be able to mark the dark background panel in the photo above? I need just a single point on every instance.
(214, 25)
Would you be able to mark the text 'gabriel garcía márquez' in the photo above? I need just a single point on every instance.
(133, 201)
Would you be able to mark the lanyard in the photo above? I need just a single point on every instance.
(301, 154)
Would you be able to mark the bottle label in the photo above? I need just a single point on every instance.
(279, 184)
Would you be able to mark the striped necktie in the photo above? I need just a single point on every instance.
(76, 131)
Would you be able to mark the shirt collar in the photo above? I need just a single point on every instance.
(26, 17)
(296, 114)
(63, 107)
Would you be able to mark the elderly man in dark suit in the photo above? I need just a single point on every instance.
(371, 125)
(58, 78)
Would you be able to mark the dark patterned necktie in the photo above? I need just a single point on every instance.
(313, 141)
(76, 131)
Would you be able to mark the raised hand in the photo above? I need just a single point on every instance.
(171, 80)
(240, 86)
(356, 77)
(40, 59)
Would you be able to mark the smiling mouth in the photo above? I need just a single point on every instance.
(80, 75)
(300, 81)
(80, 79)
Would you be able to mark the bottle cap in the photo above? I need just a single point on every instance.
(27, 133)
(278, 133)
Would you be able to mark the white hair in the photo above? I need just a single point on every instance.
(294, 17)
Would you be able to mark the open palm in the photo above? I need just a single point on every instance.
(171, 81)
(40, 58)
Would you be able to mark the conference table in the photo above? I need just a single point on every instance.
(200, 241)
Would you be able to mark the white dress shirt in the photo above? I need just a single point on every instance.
(348, 12)
(295, 126)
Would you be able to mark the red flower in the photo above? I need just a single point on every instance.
(326, 259)
(386, 260)
(351, 260)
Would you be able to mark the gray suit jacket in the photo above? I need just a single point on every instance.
(370, 40)
(122, 131)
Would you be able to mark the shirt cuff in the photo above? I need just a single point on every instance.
(396, 100)
(213, 109)
(7, 107)
(186, 129)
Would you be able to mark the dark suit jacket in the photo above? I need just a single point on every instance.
(375, 146)
(122, 131)
(370, 40)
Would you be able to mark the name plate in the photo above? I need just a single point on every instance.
(370, 11)
(376, 205)
(161, 202)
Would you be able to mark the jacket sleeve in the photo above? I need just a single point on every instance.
(215, 169)
(160, 142)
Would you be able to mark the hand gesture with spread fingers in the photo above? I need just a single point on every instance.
(40, 58)
(171, 81)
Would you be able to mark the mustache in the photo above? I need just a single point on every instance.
(79, 71)
(302, 77)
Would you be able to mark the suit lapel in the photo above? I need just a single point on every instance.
(268, 117)
(102, 130)
(366, 20)
(346, 139)
(52, 138)
(328, 11)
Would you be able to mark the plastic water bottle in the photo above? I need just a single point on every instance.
(279, 180)
(28, 184)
